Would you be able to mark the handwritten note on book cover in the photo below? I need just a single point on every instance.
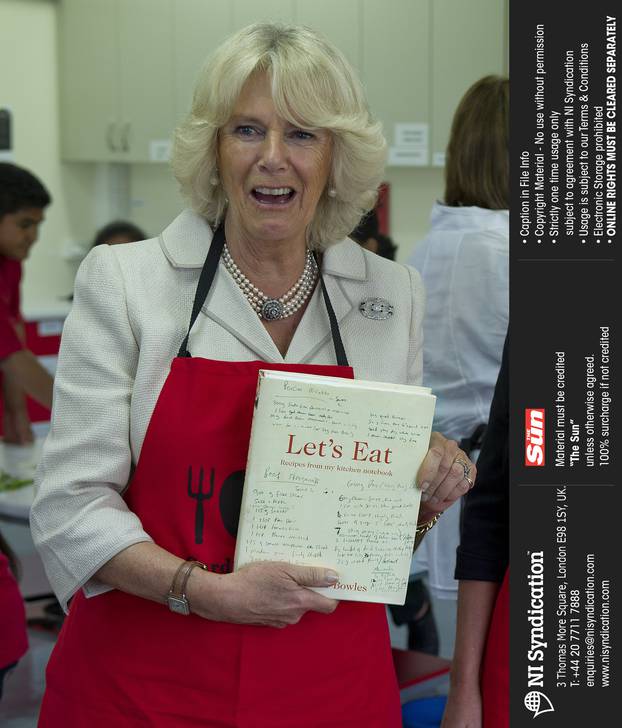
(330, 480)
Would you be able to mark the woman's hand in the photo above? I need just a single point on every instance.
(268, 593)
(441, 476)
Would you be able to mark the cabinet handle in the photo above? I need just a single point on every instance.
(125, 137)
(110, 129)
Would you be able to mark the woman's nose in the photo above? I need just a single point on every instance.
(273, 152)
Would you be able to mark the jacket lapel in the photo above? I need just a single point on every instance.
(343, 264)
(228, 307)
(185, 243)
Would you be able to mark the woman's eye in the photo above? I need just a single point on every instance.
(245, 131)
(303, 135)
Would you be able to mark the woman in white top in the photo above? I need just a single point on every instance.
(464, 262)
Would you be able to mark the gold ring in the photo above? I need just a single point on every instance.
(470, 481)
(465, 466)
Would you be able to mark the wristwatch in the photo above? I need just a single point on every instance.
(176, 597)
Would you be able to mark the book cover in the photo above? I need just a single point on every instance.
(330, 480)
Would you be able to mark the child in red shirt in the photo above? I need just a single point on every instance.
(22, 201)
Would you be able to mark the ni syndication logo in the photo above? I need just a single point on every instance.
(538, 703)
(534, 437)
(535, 700)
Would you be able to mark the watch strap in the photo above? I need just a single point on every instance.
(180, 580)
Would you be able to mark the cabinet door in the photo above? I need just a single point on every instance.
(395, 68)
(146, 75)
(246, 12)
(474, 32)
(200, 27)
(340, 22)
(88, 51)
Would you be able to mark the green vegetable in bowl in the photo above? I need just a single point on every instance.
(9, 482)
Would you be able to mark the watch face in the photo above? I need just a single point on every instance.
(179, 605)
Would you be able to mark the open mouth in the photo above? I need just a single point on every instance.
(273, 195)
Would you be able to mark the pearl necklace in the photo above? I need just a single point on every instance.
(271, 309)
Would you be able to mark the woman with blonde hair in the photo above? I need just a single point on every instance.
(279, 158)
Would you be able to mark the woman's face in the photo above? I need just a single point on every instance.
(273, 172)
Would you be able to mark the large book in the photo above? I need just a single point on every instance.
(330, 480)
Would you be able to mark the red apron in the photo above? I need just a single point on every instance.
(124, 661)
(496, 670)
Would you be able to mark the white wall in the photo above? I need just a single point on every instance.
(29, 87)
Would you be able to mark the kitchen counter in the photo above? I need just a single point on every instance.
(20, 461)
(45, 309)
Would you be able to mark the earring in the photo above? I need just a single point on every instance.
(213, 180)
(332, 192)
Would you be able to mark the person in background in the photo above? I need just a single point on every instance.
(464, 262)
(119, 231)
(13, 635)
(367, 234)
(23, 200)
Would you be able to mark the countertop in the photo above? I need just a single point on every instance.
(20, 461)
(45, 309)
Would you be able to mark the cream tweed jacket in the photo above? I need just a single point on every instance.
(131, 308)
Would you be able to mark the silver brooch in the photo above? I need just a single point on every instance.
(376, 308)
(272, 310)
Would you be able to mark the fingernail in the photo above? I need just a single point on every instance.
(425, 497)
(424, 486)
(332, 577)
(434, 501)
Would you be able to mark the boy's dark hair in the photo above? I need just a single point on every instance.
(20, 189)
(119, 227)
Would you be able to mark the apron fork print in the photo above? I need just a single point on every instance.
(199, 496)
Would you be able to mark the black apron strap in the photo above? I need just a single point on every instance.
(208, 272)
(340, 352)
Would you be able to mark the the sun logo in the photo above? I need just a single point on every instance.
(534, 437)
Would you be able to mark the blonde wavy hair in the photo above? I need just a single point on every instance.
(313, 87)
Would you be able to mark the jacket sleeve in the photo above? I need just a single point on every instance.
(483, 553)
(79, 520)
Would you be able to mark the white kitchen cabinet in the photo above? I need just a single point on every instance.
(128, 67)
(339, 22)
(146, 85)
(468, 42)
(246, 12)
(199, 27)
(395, 67)
(116, 77)
(88, 50)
